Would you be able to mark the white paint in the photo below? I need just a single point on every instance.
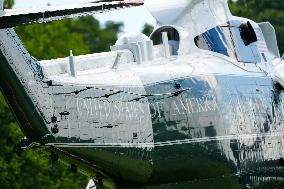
(91, 185)
(72, 65)
(166, 11)
(139, 44)
(175, 11)
(166, 44)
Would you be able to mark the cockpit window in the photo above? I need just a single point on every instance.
(227, 40)
(213, 40)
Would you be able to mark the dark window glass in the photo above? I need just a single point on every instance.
(213, 40)
(227, 40)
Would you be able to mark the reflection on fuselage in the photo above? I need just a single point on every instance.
(204, 128)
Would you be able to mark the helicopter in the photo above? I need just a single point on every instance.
(197, 104)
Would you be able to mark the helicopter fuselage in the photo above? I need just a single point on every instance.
(198, 103)
(186, 126)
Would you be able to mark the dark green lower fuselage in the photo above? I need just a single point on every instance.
(230, 133)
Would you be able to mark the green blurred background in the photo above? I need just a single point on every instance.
(32, 169)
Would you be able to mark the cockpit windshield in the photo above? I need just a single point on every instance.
(227, 40)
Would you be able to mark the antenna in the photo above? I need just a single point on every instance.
(166, 44)
(72, 65)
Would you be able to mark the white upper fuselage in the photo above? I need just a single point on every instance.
(130, 73)
(190, 18)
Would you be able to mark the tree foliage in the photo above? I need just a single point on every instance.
(147, 29)
(52, 40)
(97, 38)
(260, 11)
(8, 4)
(83, 35)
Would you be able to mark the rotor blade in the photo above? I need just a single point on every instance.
(13, 17)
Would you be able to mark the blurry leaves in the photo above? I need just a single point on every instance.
(97, 38)
(8, 4)
(147, 29)
(55, 40)
(52, 40)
